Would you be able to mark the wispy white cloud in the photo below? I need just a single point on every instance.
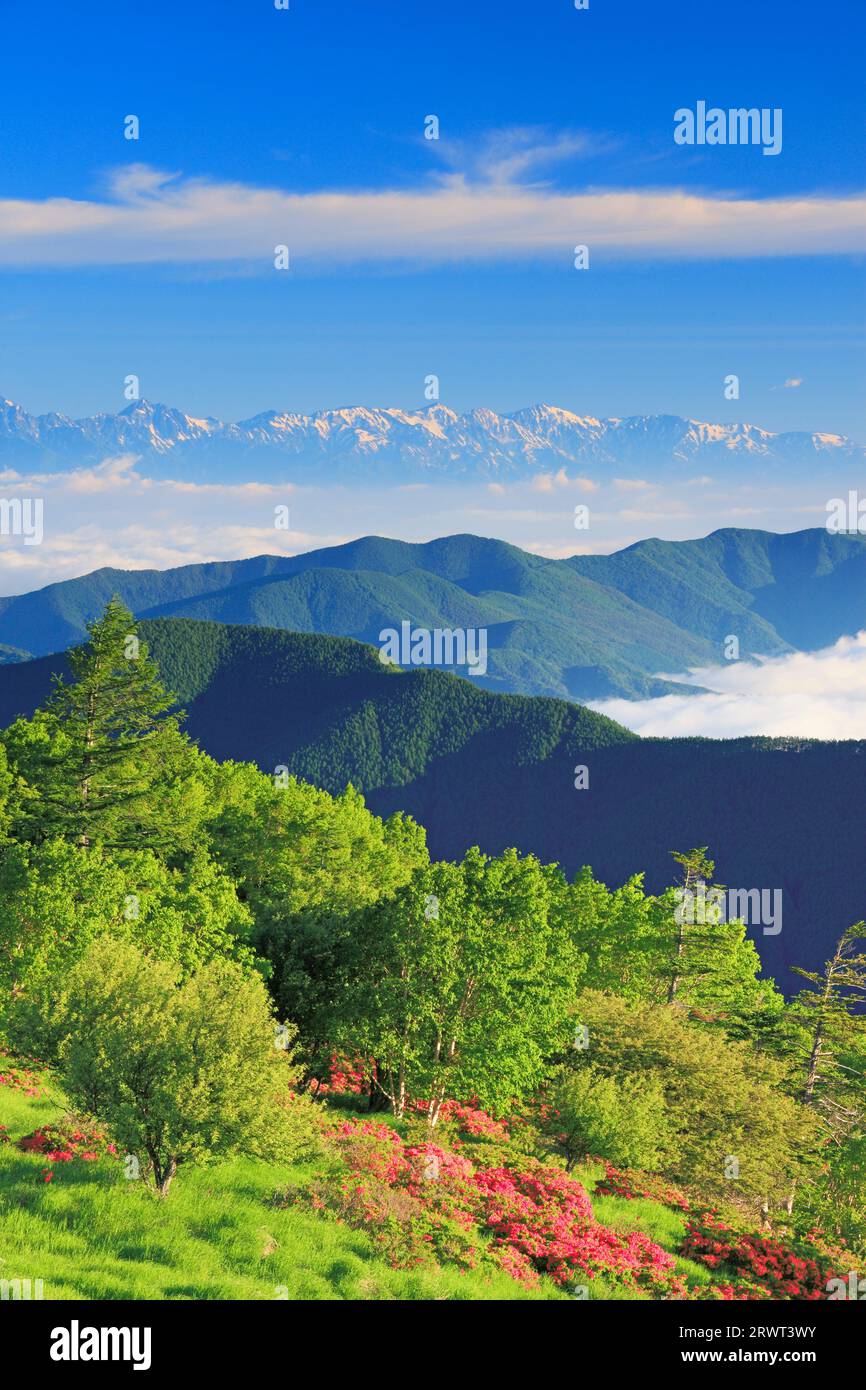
(109, 515)
(807, 695)
(148, 215)
(509, 154)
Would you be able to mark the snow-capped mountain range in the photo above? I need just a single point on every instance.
(360, 444)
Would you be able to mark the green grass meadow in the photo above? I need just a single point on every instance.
(93, 1234)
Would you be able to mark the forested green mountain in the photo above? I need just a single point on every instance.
(328, 709)
(584, 628)
(803, 590)
(499, 770)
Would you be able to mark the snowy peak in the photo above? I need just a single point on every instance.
(362, 443)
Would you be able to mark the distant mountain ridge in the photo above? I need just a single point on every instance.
(584, 628)
(389, 444)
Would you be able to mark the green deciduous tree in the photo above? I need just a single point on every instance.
(623, 1120)
(292, 847)
(56, 898)
(180, 1073)
(673, 948)
(460, 984)
(305, 863)
(733, 1131)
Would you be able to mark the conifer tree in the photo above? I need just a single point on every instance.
(98, 763)
(832, 1087)
(833, 995)
(697, 870)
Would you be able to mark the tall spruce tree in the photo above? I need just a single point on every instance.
(830, 1004)
(697, 873)
(104, 761)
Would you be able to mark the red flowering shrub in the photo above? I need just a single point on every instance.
(740, 1292)
(345, 1075)
(428, 1163)
(405, 1230)
(758, 1266)
(368, 1146)
(474, 1122)
(419, 1201)
(466, 1120)
(65, 1142)
(546, 1216)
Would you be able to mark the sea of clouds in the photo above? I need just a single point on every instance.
(806, 694)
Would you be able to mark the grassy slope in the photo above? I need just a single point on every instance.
(665, 1225)
(91, 1234)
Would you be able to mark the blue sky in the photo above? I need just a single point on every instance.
(250, 115)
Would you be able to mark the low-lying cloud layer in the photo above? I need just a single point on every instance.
(807, 694)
